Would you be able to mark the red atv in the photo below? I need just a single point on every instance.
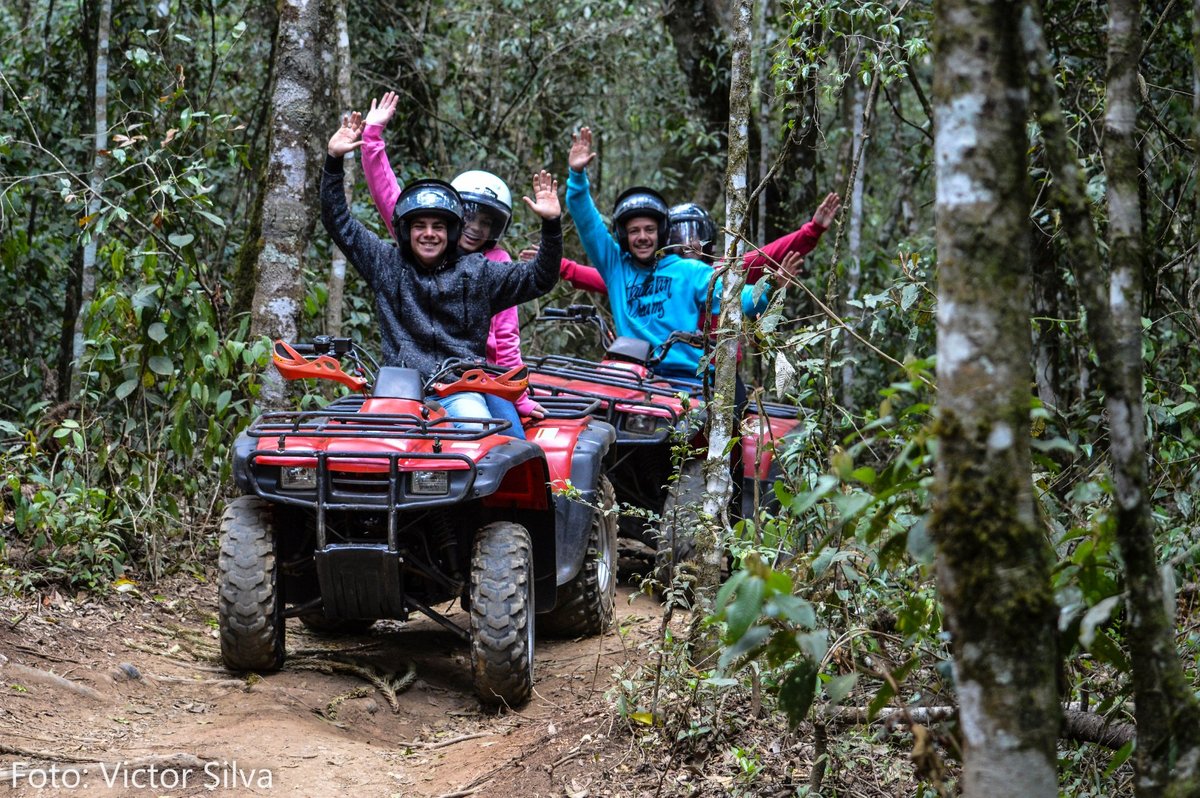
(649, 413)
(377, 506)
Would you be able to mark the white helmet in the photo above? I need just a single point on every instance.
(483, 191)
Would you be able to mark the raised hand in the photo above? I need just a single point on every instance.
(827, 209)
(349, 136)
(529, 253)
(383, 110)
(545, 192)
(790, 263)
(581, 150)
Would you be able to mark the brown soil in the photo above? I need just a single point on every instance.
(130, 690)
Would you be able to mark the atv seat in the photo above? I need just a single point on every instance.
(394, 382)
(631, 350)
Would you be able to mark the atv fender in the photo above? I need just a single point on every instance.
(573, 518)
(243, 447)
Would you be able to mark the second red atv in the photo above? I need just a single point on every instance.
(378, 506)
(650, 414)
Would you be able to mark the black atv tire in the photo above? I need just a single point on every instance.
(317, 623)
(250, 603)
(680, 517)
(586, 603)
(502, 612)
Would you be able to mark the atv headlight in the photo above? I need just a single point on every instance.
(429, 483)
(642, 424)
(297, 478)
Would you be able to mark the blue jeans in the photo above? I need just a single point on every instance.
(506, 410)
(465, 405)
(470, 404)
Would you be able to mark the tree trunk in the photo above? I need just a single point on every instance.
(87, 270)
(345, 100)
(293, 169)
(993, 561)
(762, 93)
(721, 427)
(1192, 276)
(862, 113)
(1159, 701)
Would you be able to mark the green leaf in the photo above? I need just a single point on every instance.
(840, 686)
(748, 644)
(727, 590)
(223, 400)
(797, 690)
(212, 217)
(157, 332)
(126, 388)
(1096, 616)
(162, 365)
(181, 240)
(793, 609)
(920, 546)
(744, 609)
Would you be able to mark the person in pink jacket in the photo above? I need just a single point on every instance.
(487, 205)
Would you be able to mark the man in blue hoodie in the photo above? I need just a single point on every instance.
(651, 293)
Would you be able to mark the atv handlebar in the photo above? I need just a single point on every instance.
(579, 314)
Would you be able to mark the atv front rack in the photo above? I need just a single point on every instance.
(343, 422)
(346, 489)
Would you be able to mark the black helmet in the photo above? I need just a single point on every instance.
(428, 197)
(690, 222)
(639, 201)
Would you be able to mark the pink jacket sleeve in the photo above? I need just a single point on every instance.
(381, 179)
(802, 241)
(585, 278)
(504, 339)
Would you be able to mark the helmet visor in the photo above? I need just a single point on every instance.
(688, 233)
(480, 224)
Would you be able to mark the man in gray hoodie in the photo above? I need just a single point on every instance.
(432, 302)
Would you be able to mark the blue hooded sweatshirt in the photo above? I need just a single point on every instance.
(649, 302)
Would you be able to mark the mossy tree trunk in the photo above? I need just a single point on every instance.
(1168, 719)
(87, 272)
(345, 100)
(993, 559)
(722, 424)
(289, 210)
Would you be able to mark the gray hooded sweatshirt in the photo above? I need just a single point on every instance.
(428, 315)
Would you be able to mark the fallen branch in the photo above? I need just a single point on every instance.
(16, 672)
(159, 762)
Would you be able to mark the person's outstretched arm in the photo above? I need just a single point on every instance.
(601, 249)
(514, 283)
(362, 248)
(380, 177)
(585, 278)
(801, 241)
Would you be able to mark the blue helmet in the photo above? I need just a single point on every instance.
(635, 202)
(690, 222)
(428, 197)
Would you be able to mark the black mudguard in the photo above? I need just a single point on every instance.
(573, 518)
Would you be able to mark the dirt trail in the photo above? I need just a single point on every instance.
(129, 698)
